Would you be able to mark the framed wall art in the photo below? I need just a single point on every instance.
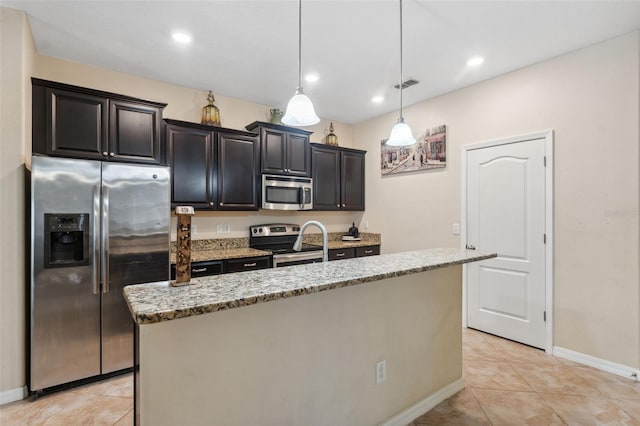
(429, 152)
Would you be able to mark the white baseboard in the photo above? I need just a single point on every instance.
(600, 364)
(418, 409)
(12, 395)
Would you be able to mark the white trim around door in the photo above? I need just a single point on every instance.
(547, 137)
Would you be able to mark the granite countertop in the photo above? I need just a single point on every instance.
(156, 302)
(234, 248)
(221, 254)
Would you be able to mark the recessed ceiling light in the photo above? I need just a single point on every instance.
(311, 77)
(377, 99)
(475, 61)
(181, 37)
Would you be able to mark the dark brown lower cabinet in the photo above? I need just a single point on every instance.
(248, 263)
(351, 252)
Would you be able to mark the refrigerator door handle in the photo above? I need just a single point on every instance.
(104, 260)
(95, 246)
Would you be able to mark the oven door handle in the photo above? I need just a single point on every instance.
(305, 255)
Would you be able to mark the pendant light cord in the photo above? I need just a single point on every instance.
(401, 117)
(299, 45)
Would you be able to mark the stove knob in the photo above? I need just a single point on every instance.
(255, 230)
(260, 230)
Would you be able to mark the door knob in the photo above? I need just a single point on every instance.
(471, 247)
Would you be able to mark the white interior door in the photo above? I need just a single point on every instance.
(506, 214)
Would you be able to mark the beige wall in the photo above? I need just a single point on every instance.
(16, 61)
(259, 356)
(590, 98)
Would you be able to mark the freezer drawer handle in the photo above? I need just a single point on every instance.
(95, 247)
(248, 265)
(104, 262)
(340, 254)
(198, 269)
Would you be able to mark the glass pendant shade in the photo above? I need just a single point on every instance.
(300, 111)
(401, 135)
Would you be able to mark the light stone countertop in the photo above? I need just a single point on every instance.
(234, 248)
(156, 302)
(221, 254)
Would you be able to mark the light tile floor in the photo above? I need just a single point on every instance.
(505, 384)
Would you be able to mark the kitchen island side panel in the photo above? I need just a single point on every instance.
(309, 359)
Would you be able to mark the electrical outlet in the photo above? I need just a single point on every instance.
(194, 228)
(366, 224)
(219, 229)
(227, 228)
(456, 229)
(381, 371)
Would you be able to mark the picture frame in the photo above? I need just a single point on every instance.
(428, 153)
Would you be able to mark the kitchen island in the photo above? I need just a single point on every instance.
(214, 353)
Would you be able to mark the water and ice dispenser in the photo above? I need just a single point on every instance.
(66, 240)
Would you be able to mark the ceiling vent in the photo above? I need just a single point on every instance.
(407, 83)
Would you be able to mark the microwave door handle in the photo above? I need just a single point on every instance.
(301, 196)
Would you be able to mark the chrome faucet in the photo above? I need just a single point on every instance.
(297, 246)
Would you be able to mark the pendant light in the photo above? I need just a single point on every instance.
(401, 133)
(300, 110)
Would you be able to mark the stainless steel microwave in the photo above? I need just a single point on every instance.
(287, 193)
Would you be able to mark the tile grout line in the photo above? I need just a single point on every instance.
(481, 406)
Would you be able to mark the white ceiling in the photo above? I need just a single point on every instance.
(248, 49)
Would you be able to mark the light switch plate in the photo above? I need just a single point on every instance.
(456, 229)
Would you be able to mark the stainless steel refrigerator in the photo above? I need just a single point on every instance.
(95, 228)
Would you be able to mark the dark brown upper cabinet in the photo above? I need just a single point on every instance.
(338, 178)
(284, 150)
(72, 121)
(212, 168)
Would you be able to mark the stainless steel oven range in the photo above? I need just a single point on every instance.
(279, 238)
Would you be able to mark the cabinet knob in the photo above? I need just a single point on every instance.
(112, 154)
(344, 205)
(210, 203)
(222, 204)
(338, 205)
(105, 153)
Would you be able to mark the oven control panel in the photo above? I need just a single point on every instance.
(274, 229)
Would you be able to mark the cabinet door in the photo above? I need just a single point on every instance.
(237, 172)
(352, 185)
(191, 161)
(367, 251)
(273, 151)
(248, 264)
(76, 124)
(297, 155)
(339, 254)
(325, 166)
(134, 132)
